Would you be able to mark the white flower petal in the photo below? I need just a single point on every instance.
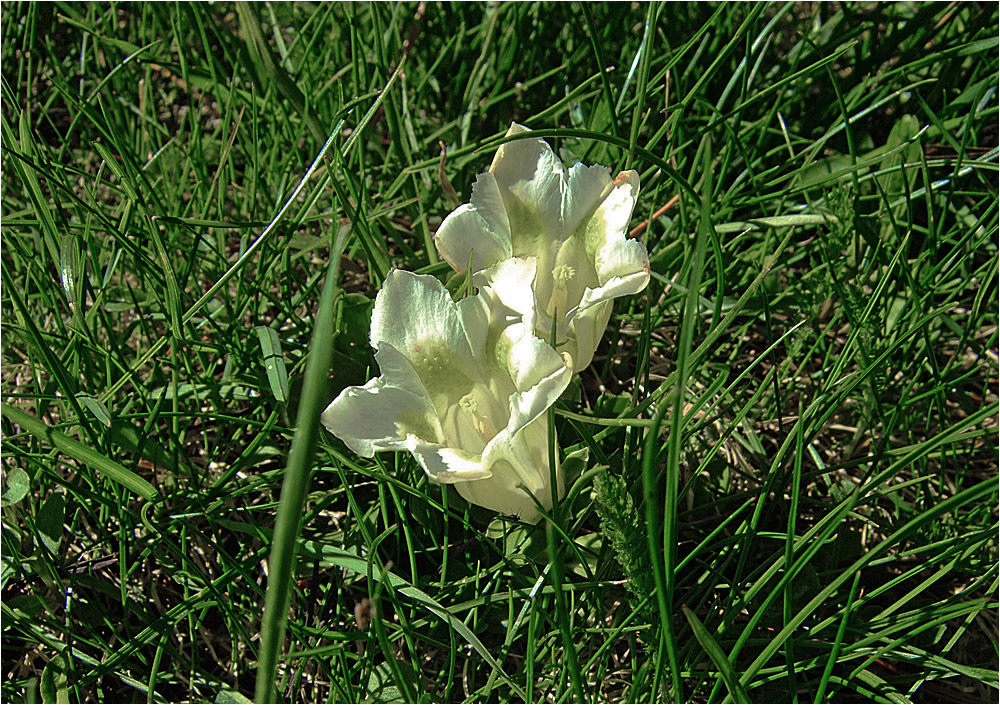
(446, 465)
(585, 333)
(529, 405)
(464, 387)
(415, 315)
(475, 313)
(519, 465)
(615, 288)
(396, 370)
(412, 307)
(623, 266)
(590, 319)
(529, 358)
(616, 209)
(622, 258)
(379, 416)
(511, 282)
(572, 273)
(539, 375)
(479, 229)
(531, 179)
(584, 190)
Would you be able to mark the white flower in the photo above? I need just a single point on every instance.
(462, 389)
(572, 223)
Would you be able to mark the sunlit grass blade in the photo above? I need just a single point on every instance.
(295, 487)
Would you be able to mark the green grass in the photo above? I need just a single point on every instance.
(791, 490)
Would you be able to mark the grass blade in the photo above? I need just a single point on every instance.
(281, 562)
(718, 656)
(274, 362)
(78, 451)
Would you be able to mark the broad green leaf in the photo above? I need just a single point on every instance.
(55, 680)
(17, 487)
(50, 522)
(96, 408)
(778, 221)
(382, 687)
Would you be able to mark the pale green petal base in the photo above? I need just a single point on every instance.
(520, 471)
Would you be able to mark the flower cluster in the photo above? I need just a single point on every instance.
(465, 386)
